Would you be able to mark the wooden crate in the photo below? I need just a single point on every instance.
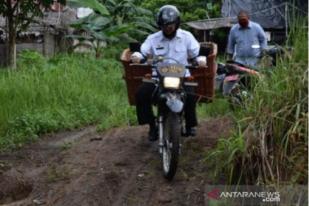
(205, 77)
(133, 74)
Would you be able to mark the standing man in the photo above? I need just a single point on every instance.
(169, 42)
(246, 43)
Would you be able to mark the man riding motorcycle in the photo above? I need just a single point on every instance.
(170, 42)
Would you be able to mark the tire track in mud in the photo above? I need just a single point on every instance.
(114, 168)
(113, 164)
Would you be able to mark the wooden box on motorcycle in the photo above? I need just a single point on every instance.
(205, 77)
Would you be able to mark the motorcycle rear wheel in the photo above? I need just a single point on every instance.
(171, 135)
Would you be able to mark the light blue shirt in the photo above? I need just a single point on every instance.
(181, 48)
(246, 44)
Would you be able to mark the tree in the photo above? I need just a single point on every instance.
(125, 22)
(19, 14)
(93, 4)
(128, 12)
(190, 10)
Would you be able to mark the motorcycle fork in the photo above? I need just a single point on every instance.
(160, 128)
(160, 121)
(162, 109)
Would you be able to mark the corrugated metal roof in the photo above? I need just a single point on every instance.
(208, 24)
(57, 20)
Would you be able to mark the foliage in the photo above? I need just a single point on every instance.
(66, 91)
(99, 29)
(274, 125)
(190, 10)
(218, 107)
(29, 57)
(225, 153)
(123, 11)
(93, 4)
(125, 22)
(129, 12)
(23, 12)
(19, 15)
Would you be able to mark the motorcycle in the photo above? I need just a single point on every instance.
(169, 97)
(239, 77)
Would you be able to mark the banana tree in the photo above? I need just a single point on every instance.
(100, 32)
(127, 11)
(93, 4)
(122, 21)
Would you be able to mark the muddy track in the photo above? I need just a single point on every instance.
(113, 168)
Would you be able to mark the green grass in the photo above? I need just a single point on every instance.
(273, 125)
(67, 91)
(219, 107)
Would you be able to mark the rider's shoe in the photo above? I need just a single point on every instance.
(153, 133)
(190, 131)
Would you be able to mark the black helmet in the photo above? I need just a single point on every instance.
(168, 14)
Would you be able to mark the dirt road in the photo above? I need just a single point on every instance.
(112, 168)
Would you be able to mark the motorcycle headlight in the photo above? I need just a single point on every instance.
(171, 82)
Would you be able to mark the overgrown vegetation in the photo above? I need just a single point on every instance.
(219, 107)
(271, 144)
(190, 10)
(124, 21)
(65, 92)
(19, 15)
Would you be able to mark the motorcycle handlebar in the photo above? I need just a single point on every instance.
(153, 81)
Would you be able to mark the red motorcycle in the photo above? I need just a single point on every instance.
(234, 80)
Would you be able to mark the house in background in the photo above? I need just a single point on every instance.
(275, 16)
(47, 36)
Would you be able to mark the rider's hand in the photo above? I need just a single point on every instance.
(201, 61)
(136, 57)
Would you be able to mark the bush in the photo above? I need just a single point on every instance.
(30, 59)
(274, 124)
(65, 92)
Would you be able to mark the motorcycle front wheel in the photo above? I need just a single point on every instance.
(171, 135)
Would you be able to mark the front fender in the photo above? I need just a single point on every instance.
(174, 104)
